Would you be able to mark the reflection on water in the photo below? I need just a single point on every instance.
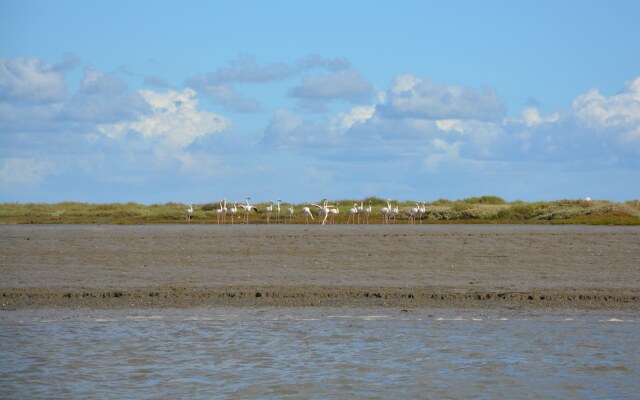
(317, 353)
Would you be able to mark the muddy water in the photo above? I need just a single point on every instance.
(317, 353)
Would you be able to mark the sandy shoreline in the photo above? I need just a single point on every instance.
(534, 267)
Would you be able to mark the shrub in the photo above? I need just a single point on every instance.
(441, 202)
(485, 200)
(519, 211)
(633, 204)
(461, 206)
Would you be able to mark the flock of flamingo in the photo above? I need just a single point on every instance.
(326, 212)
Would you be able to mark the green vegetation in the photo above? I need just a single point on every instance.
(495, 200)
(485, 209)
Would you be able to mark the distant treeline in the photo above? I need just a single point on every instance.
(484, 209)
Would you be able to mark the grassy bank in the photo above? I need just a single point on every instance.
(486, 209)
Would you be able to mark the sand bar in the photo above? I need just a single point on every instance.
(408, 266)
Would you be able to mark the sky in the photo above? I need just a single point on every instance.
(174, 101)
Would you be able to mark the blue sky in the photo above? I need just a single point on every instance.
(194, 101)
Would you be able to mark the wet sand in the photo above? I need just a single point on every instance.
(406, 266)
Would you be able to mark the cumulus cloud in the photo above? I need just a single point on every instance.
(595, 129)
(469, 128)
(29, 80)
(531, 117)
(245, 69)
(316, 61)
(219, 84)
(33, 96)
(412, 97)
(416, 126)
(102, 98)
(227, 95)
(345, 84)
(174, 121)
(619, 114)
(357, 115)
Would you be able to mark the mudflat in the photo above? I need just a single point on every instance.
(408, 266)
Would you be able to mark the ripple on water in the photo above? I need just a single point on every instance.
(317, 353)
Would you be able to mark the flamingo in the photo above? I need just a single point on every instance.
(189, 212)
(360, 211)
(385, 212)
(224, 210)
(333, 212)
(247, 209)
(307, 213)
(412, 214)
(290, 212)
(367, 212)
(268, 210)
(234, 211)
(423, 210)
(395, 211)
(353, 212)
(221, 212)
(323, 210)
(278, 211)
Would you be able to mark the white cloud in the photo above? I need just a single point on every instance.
(29, 80)
(218, 84)
(102, 98)
(404, 83)
(345, 84)
(620, 112)
(174, 120)
(227, 95)
(244, 69)
(531, 117)
(596, 129)
(451, 125)
(412, 97)
(356, 115)
(315, 61)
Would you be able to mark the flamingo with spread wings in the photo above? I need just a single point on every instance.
(323, 209)
(247, 209)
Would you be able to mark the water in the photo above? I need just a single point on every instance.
(318, 353)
